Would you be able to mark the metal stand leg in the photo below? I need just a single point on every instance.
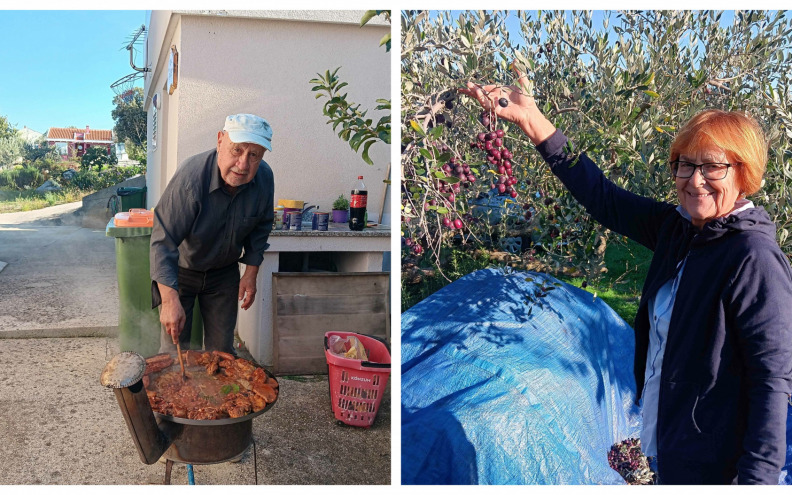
(168, 467)
(255, 461)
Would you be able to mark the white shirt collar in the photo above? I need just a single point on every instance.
(741, 204)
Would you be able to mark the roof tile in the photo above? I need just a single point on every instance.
(63, 133)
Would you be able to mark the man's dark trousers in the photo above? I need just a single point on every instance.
(217, 292)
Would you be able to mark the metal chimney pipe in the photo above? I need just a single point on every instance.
(124, 374)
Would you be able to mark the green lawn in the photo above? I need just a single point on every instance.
(13, 201)
(620, 288)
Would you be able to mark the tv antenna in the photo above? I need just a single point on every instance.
(131, 47)
(124, 86)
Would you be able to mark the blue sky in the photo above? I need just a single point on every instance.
(57, 66)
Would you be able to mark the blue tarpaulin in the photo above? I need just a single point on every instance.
(501, 386)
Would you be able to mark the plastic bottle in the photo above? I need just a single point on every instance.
(357, 206)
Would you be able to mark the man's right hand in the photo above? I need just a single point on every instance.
(172, 314)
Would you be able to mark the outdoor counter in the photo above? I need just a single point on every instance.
(333, 230)
(352, 251)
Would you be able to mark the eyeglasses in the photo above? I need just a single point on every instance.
(712, 171)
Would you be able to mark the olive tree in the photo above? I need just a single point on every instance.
(619, 88)
(11, 150)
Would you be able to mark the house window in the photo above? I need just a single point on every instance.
(63, 148)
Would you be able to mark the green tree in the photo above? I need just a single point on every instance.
(619, 90)
(97, 157)
(11, 149)
(130, 119)
(40, 152)
(136, 152)
(6, 129)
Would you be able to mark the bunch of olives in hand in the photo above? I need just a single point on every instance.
(627, 459)
(498, 155)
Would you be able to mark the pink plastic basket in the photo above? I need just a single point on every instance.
(356, 387)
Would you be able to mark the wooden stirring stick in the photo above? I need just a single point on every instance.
(181, 360)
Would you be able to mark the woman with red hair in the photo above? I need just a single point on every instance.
(713, 333)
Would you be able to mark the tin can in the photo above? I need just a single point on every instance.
(295, 220)
(320, 220)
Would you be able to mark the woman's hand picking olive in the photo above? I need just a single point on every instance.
(521, 108)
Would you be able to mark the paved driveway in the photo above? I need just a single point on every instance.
(56, 278)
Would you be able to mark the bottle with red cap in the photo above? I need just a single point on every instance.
(357, 206)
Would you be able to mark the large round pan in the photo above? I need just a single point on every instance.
(211, 422)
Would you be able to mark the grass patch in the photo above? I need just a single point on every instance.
(14, 201)
(620, 288)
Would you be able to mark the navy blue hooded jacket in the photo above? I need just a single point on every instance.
(727, 371)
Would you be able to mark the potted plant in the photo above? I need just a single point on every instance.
(340, 209)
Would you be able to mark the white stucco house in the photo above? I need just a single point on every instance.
(260, 62)
(30, 136)
(204, 65)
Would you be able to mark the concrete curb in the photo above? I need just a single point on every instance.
(49, 333)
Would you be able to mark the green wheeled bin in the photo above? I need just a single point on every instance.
(131, 197)
(138, 323)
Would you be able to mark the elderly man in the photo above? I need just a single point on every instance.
(216, 212)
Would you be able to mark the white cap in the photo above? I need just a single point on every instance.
(248, 128)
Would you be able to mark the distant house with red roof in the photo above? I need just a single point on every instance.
(70, 140)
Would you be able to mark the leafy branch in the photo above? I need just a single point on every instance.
(370, 14)
(355, 128)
